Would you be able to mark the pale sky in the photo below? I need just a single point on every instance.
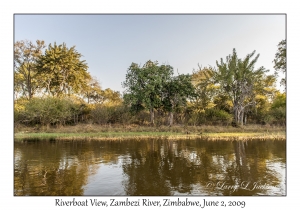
(110, 43)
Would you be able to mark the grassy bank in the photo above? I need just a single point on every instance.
(119, 132)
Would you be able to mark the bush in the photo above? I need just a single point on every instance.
(102, 114)
(217, 116)
(47, 111)
(210, 117)
(279, 115)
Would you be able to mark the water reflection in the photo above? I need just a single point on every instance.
(150, 167)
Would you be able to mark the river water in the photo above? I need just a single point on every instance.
(150, 167)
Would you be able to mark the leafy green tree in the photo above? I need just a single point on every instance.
(280, 61)
(63, 71)
(279, 101)
(26, 80)
(278, 108)
(144, 86)
(237, 78)
(176, 91)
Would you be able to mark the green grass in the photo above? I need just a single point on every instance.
(111, 132)
(150, 135)
(89, 135)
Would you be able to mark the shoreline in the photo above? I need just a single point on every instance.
(150, 135)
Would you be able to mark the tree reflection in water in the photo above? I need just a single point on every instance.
(151, 167)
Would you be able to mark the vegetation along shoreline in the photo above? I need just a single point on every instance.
(95, 132)
(56, 97)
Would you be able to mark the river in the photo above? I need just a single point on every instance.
(149, 167)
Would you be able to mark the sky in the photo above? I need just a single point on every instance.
(110, 43)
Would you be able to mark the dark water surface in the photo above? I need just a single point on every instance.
(150, 167)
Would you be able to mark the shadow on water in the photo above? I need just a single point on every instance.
(149, 167)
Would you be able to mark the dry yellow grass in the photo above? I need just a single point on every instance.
(151, 135)
(119, 132)
(94, 128)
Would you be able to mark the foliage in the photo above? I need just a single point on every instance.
(92, 92)
(55, 88)
(278, 115)
(111, 97)
(103, 114)
(205, 89)
(144, 86)
(265, 92)
(237, 79)
(19, 109)
(175, 93)
(223, 102)
(279, 101)
(47, 111)
(218, 116)
(211, 116)
(280, 61)
(62, 70)
(26, 80)
(278, 108)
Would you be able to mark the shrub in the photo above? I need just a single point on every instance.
(47, 111)
(279, 115)
(102, 114)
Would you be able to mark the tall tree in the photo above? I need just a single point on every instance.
(63, 71)
(144, 85)
(176, 91)
(237, 78)
(280, 61)
(26, 80)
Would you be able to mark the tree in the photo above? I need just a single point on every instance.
(111, 97)
(237, 78)
(176, 91)
(264, 93)
(280, 61)
(26, 80)
(278, 108)
(92, 91)
(144, 86)
(205, 89)
(63, 71)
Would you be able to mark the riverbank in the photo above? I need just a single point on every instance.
(109, 132)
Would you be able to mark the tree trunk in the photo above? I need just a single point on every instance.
(151, 116)
(241, 117)
(170, 118)
(236, 115)
(29, 85)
